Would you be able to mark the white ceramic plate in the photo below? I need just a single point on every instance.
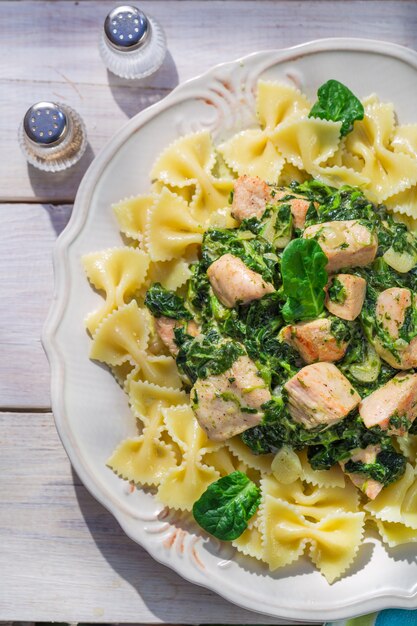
(91, 412)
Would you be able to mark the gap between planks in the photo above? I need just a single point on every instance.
(9, 409)
(36, 200)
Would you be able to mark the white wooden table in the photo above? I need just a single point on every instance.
(62, 556)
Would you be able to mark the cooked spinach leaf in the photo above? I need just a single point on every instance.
(341, 330)
(387, 468)
(205, 355)
(337, 442)
(337, 292)
(277, 429)
(337, 103)
(160, 302)
(257, 329)
(227, 505)
(275, 225)
(303, 279)
(257, 253)
(327, 444)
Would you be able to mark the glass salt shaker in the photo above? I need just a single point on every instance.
(52, 136)
(132, 45)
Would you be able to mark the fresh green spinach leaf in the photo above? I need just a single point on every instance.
(227, 505)
(337, 103)
(304, 277)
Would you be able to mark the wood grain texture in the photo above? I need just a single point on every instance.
(61, 61)
(27, 233)
(64, 558)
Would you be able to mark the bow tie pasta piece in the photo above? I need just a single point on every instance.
(184, 484)
(155, 369)
(147, 459)
(290, 173)
(343, 168)
(189, 161)
(282, 532)
(119, 273)
(121, 372)
(278, 102)
(250, 541)
(312, 502)
(186, 193)
(182, 161)
(334, 540)
(121, 335)
(333, 477)
(224, 461)
(408, 446)
(404, 203)
(389, 172)
(336, 175)
(308, 142)
(252, 152)
(259, 462)
(395, 534)
(397, 502)
(171, 274)
(131, 215)
(143, 395)
(171, 228)
(405, 139)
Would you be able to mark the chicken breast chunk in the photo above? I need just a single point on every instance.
(250, 197)
(345, 243)
(314, 341)
(319, 394)
(229, 403)
(350, 298)
(165, 327)
(299, 207)
(391, 311)
(234, 283)
(392, 407)
(252, 194)
(368, 486)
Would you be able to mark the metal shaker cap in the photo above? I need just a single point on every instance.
(126, 28)
(45, 123)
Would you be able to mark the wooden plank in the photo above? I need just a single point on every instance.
(64, 63)
(64, 558)
(27, 233)
(199, 34)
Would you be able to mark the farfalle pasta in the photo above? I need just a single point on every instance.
(119, 273)
(190, 352)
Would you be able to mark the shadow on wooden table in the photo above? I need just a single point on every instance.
(132, 96)
(46, 185)
(161, 589)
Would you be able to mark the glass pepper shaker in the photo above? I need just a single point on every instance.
(132, 45)
(52, 136)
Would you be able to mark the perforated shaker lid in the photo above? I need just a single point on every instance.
(126, 28)
(45, 123)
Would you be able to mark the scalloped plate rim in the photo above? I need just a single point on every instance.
(390, 598)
